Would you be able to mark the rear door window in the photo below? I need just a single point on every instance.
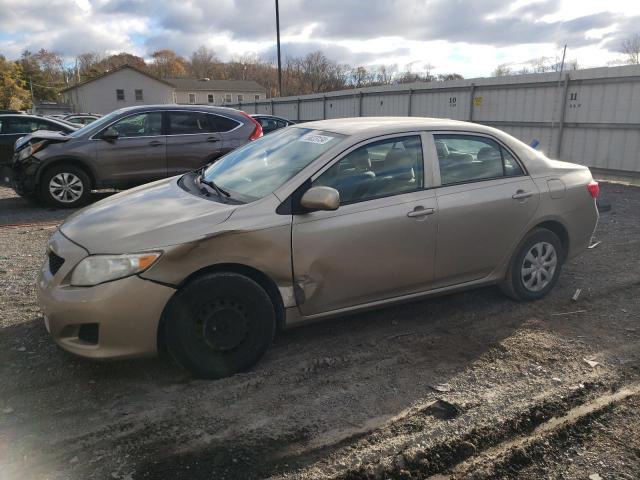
(188, 123)
(22, 125)
(469, 158)
(50, 126)
(221, 124)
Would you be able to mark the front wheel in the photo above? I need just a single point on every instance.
(535, 267)
(65, 186)
(219, 324)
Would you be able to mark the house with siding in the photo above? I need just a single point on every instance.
(127, 86)
(205, 91)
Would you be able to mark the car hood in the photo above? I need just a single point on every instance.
(41, 135)
(152, 216)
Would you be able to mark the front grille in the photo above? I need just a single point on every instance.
(55, 262)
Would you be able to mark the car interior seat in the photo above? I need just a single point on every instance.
(356, 179)
(398, 174)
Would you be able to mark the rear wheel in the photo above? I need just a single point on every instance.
(535, 268)
(65, 186)
(219, 324)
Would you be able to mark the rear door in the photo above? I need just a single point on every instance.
(137, 156)
(485, 201)
(380, 243)
(192, 141)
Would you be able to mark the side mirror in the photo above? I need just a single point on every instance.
(110, 134)
(321, 198)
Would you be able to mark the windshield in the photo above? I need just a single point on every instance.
(97, 124)
(259, 168)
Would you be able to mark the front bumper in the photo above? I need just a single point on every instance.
(126, 311)
(21, 179)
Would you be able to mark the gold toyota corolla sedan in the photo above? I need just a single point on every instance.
(315, 220)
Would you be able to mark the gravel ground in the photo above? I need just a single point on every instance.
(434, 388)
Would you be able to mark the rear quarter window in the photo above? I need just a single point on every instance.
(222, 124)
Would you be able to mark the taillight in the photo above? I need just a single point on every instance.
(257, 131)
(594, 188)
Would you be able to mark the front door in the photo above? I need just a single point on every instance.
(137, 156)
(192, 141)
(485, 202)
(380, 243)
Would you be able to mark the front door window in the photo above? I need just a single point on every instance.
(141, 125)
(378, 169)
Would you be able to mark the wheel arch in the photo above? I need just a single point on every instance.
(261, 278)
(560, 230)
(76, 162)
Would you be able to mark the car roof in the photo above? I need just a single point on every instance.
(33, 117)
(174, 106)
(56, 121)
(266, 115)
(390, 125)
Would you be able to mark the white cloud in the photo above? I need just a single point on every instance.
(470, 37)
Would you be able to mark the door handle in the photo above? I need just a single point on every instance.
(421, 212)
(213, 139)
(521, 195)
(156, 143)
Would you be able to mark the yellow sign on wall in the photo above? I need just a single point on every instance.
(477, 101)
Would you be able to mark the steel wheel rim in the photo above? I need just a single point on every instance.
(223, 325)
(66, 187)
(539, 266)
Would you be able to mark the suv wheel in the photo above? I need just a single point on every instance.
(535, 267)
(65, 186)
(219, 324)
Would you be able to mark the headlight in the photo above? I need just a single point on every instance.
(97, 269)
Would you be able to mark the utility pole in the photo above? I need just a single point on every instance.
(279, 61)
(557, 99)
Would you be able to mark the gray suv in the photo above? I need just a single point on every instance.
(128, 147)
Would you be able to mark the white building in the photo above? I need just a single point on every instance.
(128, 86)
(216, 92)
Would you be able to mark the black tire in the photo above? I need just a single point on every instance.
(24, 194)
(514, 285)
(70, 171)
(219, 324)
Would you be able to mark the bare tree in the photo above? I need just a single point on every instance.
(385, 74)
(203, 63)
(631, 48)
(361, 77)
(443, 77)
(502, 70)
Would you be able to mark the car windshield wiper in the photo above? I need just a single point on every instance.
(211, 184)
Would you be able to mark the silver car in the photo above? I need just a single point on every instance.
(310, 222)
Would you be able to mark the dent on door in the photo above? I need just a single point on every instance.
(364, 252)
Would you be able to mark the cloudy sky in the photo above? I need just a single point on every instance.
(470, 37)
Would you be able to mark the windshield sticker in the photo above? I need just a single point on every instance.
(317, 139)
